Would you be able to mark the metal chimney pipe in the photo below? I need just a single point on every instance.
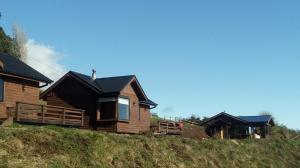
(93, 74)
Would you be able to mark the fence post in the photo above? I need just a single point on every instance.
(64, 117)
(82, 118)
(43, 113)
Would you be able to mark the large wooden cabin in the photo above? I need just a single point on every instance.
(18, 83)
(224, 125)
(115, 104)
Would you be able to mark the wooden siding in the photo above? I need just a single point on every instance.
(145, 117)
(17, 90)
(73, 94)
(135, 124)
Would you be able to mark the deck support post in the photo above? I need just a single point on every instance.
(18, 109)
(43, 114)
(82, 118)
(64, 117)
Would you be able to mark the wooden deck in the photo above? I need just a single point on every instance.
(45, 114)
(169, 127)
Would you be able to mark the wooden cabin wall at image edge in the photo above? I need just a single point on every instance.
(18, 83)
(224, 125)
(115, 104)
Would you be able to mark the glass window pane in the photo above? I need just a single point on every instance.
(123, 109)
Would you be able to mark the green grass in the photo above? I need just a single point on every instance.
(50, 146)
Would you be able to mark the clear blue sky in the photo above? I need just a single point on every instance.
(192, 57)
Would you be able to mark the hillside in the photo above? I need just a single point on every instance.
(51, 146)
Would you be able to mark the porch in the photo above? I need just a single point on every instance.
(46, 114)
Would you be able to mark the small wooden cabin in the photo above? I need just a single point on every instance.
(114, 104)
(224, 125)
(18, 83)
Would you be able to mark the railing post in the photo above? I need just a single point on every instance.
(158, 127)
(64, 117)
(167, 126)
(43, 113)
(82, 118)
(18, 111)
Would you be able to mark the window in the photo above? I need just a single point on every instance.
(1, 90)
(123, 105)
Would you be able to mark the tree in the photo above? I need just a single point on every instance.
(265, 113)
(9, 45)
(194, 118)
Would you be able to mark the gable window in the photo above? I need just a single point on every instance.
(1, 90)
(123, 105)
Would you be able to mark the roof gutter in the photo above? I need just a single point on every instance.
(153, 105)
(20, 77)
(46, 84)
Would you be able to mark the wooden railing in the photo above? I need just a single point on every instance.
(169, 127)
(46, 114)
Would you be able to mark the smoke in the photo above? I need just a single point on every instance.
(21, 39)
(44, 59)
(168, 110)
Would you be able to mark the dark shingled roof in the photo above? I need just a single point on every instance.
(113, 84)
(14, 66)
(256, 119)
(109, 84)
(87, 79)
(262, 119)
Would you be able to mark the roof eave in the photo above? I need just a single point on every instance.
(25, 77)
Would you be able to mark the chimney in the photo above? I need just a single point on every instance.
(94, 74)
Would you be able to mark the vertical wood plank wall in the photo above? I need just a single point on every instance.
(73, 94)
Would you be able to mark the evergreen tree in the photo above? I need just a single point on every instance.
(9, 45)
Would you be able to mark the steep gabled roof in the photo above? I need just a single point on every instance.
(225, 114)
(113, 84)
(13, 66)
(258, 119)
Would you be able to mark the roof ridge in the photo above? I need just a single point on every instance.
(255, 116)
(80, 76)
(103, 77)
(80, 73)
(117, 76)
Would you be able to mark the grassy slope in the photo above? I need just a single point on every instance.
(50, 146)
